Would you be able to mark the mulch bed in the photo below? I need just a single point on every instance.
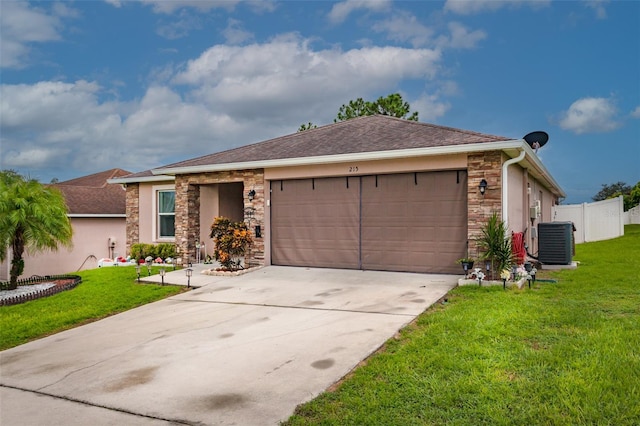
(59, 285)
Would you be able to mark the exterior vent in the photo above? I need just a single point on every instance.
(555, 243)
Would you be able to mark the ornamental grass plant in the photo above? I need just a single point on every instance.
(558, 354)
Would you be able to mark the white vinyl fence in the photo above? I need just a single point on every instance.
(632, 216)
(597, 221)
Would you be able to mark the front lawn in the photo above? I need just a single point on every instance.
(103, 292)
(558, 354)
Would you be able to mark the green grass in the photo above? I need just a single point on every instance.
(558, 354)
(103, 292)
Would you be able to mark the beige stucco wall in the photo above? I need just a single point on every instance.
(523, 192)
(517, 198)
(209, 209)
(90, 238)
(358, 168)
(148, 230)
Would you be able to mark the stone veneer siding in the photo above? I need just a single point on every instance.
(488, 166)
(188, 209)
(133, 215)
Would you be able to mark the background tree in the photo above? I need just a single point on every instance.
(611, 191)
(392, 105)
(633, 199)
(631, 196)
(33, 217)
(307, 126)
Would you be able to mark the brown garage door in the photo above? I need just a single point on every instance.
(415, 222)
(315, 222)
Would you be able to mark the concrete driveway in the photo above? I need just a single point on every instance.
(240, 350)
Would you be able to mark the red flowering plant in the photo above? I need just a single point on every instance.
(232, 240)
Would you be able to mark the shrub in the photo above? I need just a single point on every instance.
(162, 250)
(231, 239)
(496, 244)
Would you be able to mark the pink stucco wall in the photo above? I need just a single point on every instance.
(90, 237)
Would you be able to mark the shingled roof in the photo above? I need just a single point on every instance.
(92, 195)
(359, 135)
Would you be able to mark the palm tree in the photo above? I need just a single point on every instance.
(33, 217)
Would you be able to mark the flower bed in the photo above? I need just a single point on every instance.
(58, 283)
(519, 283)
(220, 272)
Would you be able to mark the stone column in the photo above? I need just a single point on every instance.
(133, 216)
(254, 180)
(187, 219)
(487, 166)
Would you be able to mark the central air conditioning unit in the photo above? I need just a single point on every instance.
(555, 243)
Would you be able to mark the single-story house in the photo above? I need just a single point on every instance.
(371, 193)
(96, 210)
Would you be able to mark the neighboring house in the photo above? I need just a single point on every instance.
(97, 213)
(377, 193)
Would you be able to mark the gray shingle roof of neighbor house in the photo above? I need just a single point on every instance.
(92, 195)
(359, 135)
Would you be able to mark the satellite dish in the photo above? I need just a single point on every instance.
(536, 139)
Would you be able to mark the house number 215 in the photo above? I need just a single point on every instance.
(353, 169)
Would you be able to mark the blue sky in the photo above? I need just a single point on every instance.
(92, 85)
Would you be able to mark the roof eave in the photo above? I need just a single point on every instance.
(512, 146)
(96, 215)
(155, 178)
(533, 159)
(341, 158)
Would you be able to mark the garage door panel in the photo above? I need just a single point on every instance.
(414, 222)
(315, 222)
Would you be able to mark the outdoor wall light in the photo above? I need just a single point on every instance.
(252, 195)
(189, 272)
(482, 187)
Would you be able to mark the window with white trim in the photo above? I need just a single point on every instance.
(166, 210)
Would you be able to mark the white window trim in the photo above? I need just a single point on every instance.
(154, 222)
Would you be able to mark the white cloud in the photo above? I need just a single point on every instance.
(590, 115)
(340, 11)
(234, 34)
(599, 7)
(468, 7)
(636, 112)
(274, 80)
(460, 37)
(23, 25)
(227, 97)
(179, 28)
(430, 107)
(169, 6)
(404, 26)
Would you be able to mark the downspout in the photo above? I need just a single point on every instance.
(505, 180)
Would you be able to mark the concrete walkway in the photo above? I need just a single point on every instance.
(240, 350)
